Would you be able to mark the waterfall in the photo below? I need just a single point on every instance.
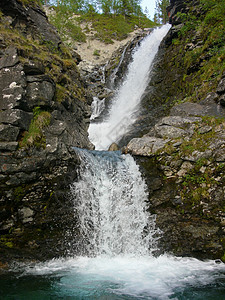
(97, 107)
(110, 196)
(113, 75)
(117, 233)
(110, 201)
(122, 113)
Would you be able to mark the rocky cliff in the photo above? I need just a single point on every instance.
(44, 112)
(182, 155)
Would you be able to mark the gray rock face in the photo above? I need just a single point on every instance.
(164, 131)
(38, 130)
(33, 19)
(145, 146)
(221, 87)
(8, 132)
(10, 58)
(185, 156)
(176, 6)
(196, 109)
(40, 92)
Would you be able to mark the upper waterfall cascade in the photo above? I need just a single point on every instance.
(125, 103)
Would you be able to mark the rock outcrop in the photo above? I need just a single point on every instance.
(181, 143)
(183, 161)
(44, 112)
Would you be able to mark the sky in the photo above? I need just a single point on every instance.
(150, 4)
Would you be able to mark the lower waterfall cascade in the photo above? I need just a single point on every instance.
(110, 202)
(118, 238)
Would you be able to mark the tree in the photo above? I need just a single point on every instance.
(106, 6)
(146, 12)
(161, 12)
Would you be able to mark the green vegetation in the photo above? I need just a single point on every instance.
(107, 7)
(114, 23)
(32, 2)
(107, 27)
(96, 52)
(6, 241)
(199, 141)
(67, 26)
(34, 136)
(223, 258)
(161, 15)
(200, 48)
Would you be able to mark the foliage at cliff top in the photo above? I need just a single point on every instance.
(109, 21)
(160, 11)
(31, 2)
(200, 48)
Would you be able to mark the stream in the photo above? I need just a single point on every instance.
(119, 237)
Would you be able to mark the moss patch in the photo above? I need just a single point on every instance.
(34, 136)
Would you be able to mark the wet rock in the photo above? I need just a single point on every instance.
(56, 128)
(35, 176)
(113, 147)
(188, 200)
(8, 132)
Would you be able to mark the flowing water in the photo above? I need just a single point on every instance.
(118, 242)
(119, 239)
(125, 104)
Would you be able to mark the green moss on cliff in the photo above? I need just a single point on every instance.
(199, 50)
(35, 136)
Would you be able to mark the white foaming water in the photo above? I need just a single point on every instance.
(110, 199)
(97, 107)
(128, 277)
(110, 203)
(125, 104)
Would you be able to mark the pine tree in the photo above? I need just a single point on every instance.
(161, 12)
